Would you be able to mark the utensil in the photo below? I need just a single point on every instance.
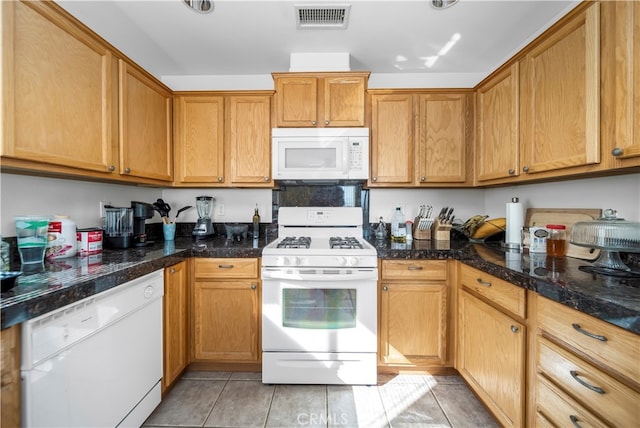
(162, 207)
(183, 209)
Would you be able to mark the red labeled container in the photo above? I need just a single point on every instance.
(556, 240)
(89, 241)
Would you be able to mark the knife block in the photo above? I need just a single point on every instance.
(420, 233)
(441, 231)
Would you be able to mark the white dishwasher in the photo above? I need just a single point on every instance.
(96, 362)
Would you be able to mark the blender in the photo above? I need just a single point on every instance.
(204, 227)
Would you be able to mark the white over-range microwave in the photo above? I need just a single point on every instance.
(320, 153)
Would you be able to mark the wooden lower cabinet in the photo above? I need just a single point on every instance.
(587, 371)
(10, 371)
(175, 343)
(226, 311)
(491, 350)
(413, 311)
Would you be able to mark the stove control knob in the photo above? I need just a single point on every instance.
(341, 261)
(354, 261)
(282, 261)
(297, 261)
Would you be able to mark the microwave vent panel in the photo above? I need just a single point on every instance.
(314, 17)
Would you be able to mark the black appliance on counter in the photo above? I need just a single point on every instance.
(141, 212)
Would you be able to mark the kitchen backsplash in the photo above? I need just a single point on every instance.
(22, 195)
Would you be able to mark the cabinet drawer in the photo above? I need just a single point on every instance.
(226, 268)
(560, 409)
(613, 401)
(435, 270)
(508, 296)
(611, 345)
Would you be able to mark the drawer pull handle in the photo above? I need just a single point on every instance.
(225, 266)
(415, 268)
(574, 374)
(587, 333)
(574, 421)
(485, 283)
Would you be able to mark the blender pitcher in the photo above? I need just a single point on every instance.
(204, 227)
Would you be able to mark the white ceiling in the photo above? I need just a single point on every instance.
(241, 43)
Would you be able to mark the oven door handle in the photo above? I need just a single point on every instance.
(322, 275)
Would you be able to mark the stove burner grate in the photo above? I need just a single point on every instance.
(295, 242)
(349, 242)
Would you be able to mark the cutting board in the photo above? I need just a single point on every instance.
(568, 216)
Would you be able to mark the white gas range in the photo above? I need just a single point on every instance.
(319, 294)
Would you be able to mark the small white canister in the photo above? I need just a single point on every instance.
(61, 241)
(538, 239)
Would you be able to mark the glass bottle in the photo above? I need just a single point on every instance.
(256, 224)
(381, 230)
(556, 240)
(398, 226)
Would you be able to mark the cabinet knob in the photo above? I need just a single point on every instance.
(112, 168)
(525, 168)
(617, 151)
(253, 286)
(423, 178)
(219, 179)
(512, 171)
(266, 178)
(326, 122)
(127, 170)
(374, 178)
(313, 122)
(574, 421)
(172, 270)
(385, 288)
(514, 329)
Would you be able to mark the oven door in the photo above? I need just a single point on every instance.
(320, 312)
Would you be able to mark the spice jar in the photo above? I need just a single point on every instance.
(556, 240)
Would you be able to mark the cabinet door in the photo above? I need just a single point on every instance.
(442, 138)
(227, 321)
(10, 371)
(175, 322)
(145, 126)
(344, 101)
(199, 142)
(249, 140)
(413, 323)
(59, 90)
(296, 101)
(626, 147)
(392, 136)
(560, 97)
(497, 149)
(491, 357)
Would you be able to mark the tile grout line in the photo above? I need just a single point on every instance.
(441, 408)
(216, 400)
(273, 394)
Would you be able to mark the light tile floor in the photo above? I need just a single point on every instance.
(240, 399)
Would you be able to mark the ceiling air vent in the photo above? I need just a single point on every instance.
(322, 16)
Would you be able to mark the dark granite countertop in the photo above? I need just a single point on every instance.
(66, 281)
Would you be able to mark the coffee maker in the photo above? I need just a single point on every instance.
(204, 227)
(141, 212)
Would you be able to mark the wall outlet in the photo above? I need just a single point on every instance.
(220, 210)
(102, 205)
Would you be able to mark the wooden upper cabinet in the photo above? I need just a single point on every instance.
(626, 143)
(199, 139)
(59, 92)
(560, 96)
(320, 99)
(249, 140)
(392, 140)
(497, 147)
(444, 136)
(145, 126)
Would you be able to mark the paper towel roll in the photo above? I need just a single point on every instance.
(515, 221)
